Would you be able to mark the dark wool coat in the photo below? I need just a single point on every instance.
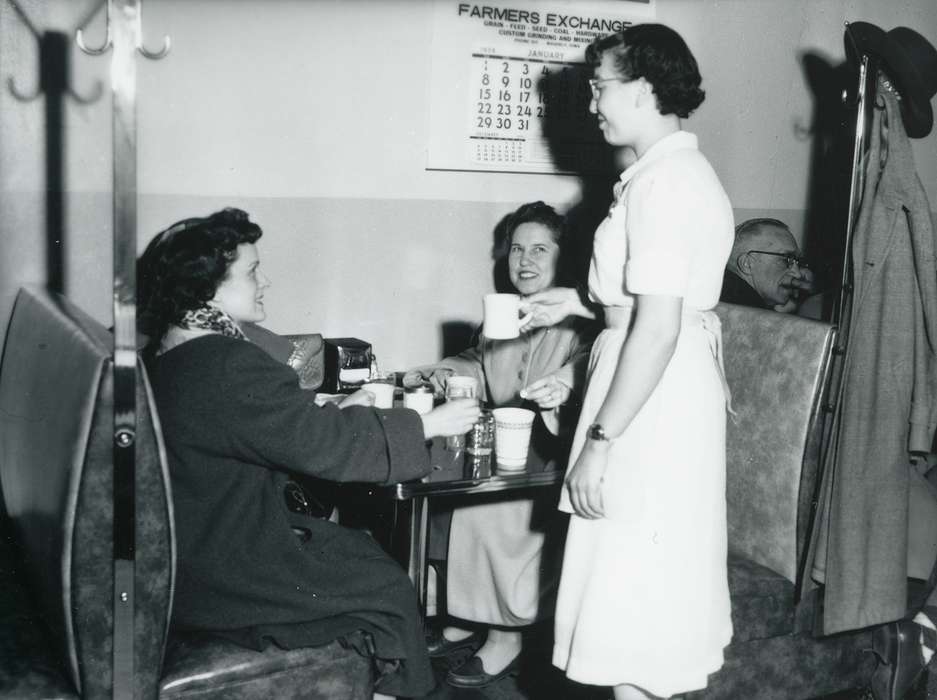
(234, 421)
(887, 401)
(735, 290)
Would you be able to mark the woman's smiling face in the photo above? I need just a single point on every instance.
(532, 258)
(241, 292)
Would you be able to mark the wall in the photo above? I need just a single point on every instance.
(312, 115)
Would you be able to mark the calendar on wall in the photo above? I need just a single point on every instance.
(509, 87)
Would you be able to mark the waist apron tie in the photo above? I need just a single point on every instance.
(619, 317)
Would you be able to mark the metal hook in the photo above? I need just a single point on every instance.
(21, 96)
(155, 56)
(94, 97)
(80, 39)
(146, 53)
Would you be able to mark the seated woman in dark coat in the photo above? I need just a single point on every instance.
(236, 425)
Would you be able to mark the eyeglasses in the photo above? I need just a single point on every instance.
(595, 82)
(790, 259)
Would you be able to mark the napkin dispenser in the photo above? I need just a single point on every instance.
(347, 364)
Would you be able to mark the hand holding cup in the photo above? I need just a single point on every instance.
(549, 307)
(455, 417)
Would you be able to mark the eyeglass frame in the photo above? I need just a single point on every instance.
(789, 258)
(597, 92)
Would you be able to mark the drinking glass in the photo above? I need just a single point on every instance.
(459, 387)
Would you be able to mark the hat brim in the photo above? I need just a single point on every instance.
(916, 110)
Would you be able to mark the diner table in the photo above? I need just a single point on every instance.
(455, 473)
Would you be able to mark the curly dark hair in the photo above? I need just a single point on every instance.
(183, 265)
(659, 55)
(535, 213)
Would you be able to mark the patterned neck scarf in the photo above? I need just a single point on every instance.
(212, 317)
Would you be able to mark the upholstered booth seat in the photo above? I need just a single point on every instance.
(777, 367)
(206, 667)
(56, 582)
(762, 601)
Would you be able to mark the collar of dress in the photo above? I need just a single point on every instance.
(677, 141)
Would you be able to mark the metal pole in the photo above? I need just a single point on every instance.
(124, 29)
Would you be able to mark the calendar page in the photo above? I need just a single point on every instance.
(509, 85)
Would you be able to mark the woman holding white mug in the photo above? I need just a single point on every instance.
(646, 519)
(494, 559)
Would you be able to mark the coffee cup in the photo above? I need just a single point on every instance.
(512, 437)
(382, 386)
(502, 316)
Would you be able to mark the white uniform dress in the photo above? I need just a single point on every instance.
(644, 596)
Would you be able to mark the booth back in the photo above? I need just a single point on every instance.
(56, 438)
(776, 366)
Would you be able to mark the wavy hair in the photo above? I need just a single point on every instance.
(535, 213)
(659, 55)
(181, 268)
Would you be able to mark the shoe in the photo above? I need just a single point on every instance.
(438, 645)
(472, 674)
(900, 662)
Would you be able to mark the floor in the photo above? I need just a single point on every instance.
(539, 680)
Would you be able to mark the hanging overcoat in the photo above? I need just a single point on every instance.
(888, 392)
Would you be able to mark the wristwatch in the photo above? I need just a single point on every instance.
(597, 432)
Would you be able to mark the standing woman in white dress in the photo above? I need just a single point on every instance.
(643, 603)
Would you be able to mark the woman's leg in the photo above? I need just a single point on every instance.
(500, 649)
(630, 692)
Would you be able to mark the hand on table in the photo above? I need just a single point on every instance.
(584, 480)
(437, 377)
(547, 393)
(362, 397)
(455, 417)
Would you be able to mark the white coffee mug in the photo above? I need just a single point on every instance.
(502, 316)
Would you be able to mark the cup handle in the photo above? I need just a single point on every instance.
(524, 320)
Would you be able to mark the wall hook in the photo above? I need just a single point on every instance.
(22, 96)
(80, 37)
(53, 65)
(137, 33)
(95, 95)
(146, 53)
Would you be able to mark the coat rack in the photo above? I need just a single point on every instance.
(865, 100)
(54, 85)
(124, 37)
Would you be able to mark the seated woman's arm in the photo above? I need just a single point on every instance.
(466, 363)
(271, 422)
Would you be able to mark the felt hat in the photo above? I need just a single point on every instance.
(910, 61)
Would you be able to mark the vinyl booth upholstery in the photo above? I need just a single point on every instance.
(777, 366)
(56, 576)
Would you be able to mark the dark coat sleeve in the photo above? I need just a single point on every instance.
(275, 424)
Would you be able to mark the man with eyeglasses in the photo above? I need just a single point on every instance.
(765, 268)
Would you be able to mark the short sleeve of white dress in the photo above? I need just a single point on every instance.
(660, 204)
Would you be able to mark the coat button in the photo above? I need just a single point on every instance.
(520, 374)
(525, 357)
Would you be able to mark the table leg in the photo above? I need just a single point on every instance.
(416, 564)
